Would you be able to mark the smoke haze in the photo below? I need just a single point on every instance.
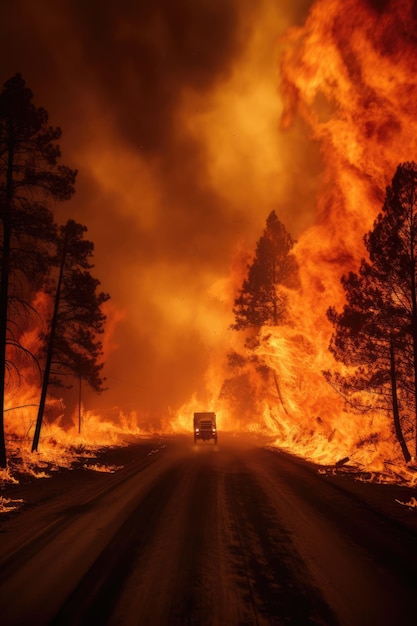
(171, 113)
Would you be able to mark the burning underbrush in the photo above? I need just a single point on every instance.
(347, 75)
(64, 446)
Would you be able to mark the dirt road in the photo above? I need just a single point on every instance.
(205, 535)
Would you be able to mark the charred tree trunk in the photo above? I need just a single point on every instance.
(6, 218)
(79, 405)
(395, 411)
(50, 349)
(277, 387)
(414, 322)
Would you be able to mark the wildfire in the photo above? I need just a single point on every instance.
(347, 74)
(65, 440)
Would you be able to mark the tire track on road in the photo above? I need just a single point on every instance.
(278, 583)
(61, 515)
(97, 594)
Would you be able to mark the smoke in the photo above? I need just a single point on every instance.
(171, 113)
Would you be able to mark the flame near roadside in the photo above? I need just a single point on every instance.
(347, 73)
(63, 445)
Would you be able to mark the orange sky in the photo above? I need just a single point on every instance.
(170, 111)
(173, 114)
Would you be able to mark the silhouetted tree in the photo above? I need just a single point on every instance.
(29, 175)
(376, 333)
(263, 298)
(72, 345)
(260, 302)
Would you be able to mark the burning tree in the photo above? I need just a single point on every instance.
(262, 301)
(376, 333)
(72, 346)
(29, 174)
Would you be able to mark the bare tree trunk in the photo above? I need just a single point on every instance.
(48, 362)
(277, 387)
(4, 288)
(4, 291)
(395, 411)
(79, 406)
(414, 338)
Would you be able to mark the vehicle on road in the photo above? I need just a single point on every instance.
(205, 427)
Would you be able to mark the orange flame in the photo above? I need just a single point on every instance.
(348, 73)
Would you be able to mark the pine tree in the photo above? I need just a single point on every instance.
(260, 302)
(72, 344)
(29, 175)
(376, 333)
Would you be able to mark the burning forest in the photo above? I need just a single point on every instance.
(252, 207)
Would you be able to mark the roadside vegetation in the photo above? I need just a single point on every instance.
(374, 339)
(48, 290)
(46, 284)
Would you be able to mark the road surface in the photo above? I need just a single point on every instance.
(225, 535)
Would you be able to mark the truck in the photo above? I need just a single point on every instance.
(205, 426)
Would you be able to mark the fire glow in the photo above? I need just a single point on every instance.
(347, 76)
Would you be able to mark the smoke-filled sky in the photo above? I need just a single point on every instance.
(171, 111)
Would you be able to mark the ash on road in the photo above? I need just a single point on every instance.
(225, 535)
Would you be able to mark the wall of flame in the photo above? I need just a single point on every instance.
(188, 127)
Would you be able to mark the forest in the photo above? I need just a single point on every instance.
(48, 289)
(375, 334)
(46, 280)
